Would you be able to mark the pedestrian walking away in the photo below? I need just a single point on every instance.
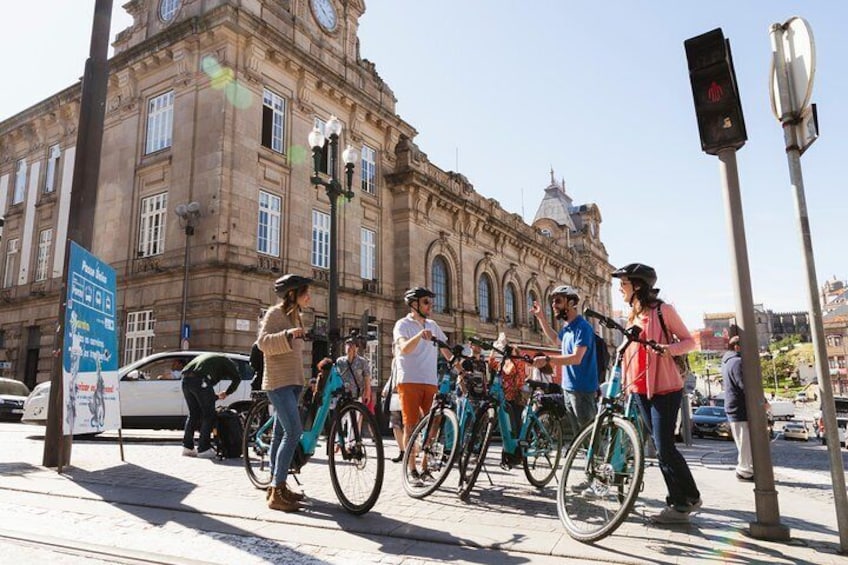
(391, 403)
(281, 341)
(577, 342)
(417, 360)
(199, 378)
(657, 381)
(734, 406)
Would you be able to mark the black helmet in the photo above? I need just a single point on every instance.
(637, 271)
(565, 290)
(290, 282)
(416, 293)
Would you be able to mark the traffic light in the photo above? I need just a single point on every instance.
(717, 105)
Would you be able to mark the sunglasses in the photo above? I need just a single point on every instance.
(426, 301)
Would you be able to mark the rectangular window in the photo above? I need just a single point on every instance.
(52, 174)
(20, 182)
(320, 240)
(323, 166)
(10, 268)
(42, 265)
(139, 336)
(273, 121)
(368, 255)
(369, 170)
(268, 230)
(160, 122)
(151, 231)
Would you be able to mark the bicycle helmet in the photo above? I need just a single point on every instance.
(290, 282)
(417, 293)
(565, 290)
(639, 271)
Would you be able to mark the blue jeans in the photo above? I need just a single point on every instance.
(580, 408)
(662, 413)
(201, 412)
(287, 431)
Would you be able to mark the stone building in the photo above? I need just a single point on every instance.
(211, 103)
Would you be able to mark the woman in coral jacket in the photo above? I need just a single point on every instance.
(656, 378)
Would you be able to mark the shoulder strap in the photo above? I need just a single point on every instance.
(662, 323)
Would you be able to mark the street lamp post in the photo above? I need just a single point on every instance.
(188, 214)
(335, 190)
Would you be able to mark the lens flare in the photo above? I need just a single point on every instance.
(224, 78)
(298, 154)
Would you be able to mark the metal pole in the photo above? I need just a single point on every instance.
(767, 525)
(333, 195)
(189, 230)
(793, 157)
(57, 447)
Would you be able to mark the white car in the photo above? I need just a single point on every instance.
(151, 396)
(796, 430)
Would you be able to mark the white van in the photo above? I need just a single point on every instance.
(781, 409)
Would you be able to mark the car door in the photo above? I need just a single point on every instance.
(151, 390)
(243, 391)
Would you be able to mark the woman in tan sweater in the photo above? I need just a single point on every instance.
(280, 339)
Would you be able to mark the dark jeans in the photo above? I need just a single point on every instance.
(201, 412)
(662, 415)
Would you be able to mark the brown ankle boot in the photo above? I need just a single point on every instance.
(280, 502)
(268, 493)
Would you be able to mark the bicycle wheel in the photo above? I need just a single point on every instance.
(544, 448)
(474, 455)
(594, 497)
(256, 447)
(356, 458)
(433, 457)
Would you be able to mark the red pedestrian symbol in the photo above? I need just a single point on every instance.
(715, 92)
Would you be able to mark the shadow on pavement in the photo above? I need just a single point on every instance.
(159, 491)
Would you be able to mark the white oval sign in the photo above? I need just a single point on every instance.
(799, 52)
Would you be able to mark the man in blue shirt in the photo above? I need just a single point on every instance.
(577, 342)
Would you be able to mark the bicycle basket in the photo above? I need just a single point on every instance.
(553, 402)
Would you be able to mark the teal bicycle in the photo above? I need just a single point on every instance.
(433, 449)
(537, 445)
(604, 468)
(354, 443)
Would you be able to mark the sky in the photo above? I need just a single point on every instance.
(504, 91)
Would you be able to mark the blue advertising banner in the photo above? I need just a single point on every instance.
(90, 353)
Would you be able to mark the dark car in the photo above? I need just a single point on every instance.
(710, 421)
(13, 393)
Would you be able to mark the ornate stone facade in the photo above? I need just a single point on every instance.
(212, 67)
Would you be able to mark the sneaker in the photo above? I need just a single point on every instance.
(415, 479)
(743, 478)
(208, 454)
(693, 506)
(670, 515)
(189, 452)
(399, 457)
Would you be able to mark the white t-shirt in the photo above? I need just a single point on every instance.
(419, 365)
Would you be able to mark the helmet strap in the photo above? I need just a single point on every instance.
(417, 311)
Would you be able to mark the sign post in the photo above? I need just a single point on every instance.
(722, 129)
(793, 66)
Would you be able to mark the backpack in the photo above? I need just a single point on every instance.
(257, 363)
(228, 433)
(602, 355)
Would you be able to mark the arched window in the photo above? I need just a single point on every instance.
(531, 319)
(549, 312)
(441, 284)
(510, 306)
(484, 297)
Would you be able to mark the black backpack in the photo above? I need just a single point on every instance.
(257, 363)
(602, 354)
(228, 433)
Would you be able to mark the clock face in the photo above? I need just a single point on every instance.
(325, 13)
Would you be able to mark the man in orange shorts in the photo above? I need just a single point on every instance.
(417, 356)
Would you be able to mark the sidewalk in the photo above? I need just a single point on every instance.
(511, 518)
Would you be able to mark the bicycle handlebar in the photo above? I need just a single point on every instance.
(456, 352)
(631, 334)
(507, 351)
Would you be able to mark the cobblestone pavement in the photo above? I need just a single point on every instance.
(202, 510)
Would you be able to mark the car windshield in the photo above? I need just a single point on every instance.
(710, 411)
(14, 388)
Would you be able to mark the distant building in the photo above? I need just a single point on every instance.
(770, 326)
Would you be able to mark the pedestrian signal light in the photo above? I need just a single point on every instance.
(717, 105)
